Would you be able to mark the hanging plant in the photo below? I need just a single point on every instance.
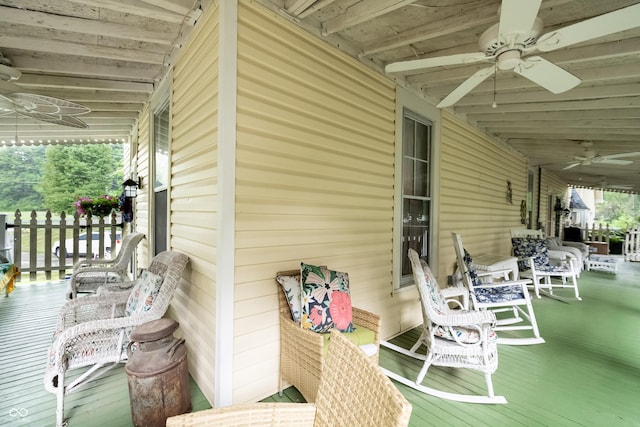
(100, 206)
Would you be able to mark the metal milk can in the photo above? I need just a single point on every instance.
(157, 374)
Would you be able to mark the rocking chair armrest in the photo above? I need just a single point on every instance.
(80, 310)
(93, 269)
(465, 318)
(484, 273)
(116, 288)
(523, 283)
(558, 255)
(91, 339)
(245, 414)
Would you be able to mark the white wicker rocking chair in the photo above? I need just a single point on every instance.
(508, 296)
(88, 275)
(454, 338)
(534, 262)
(94, 331)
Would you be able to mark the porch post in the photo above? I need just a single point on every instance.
(225, 278)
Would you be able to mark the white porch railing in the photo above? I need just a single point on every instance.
(632, 244)
(33, 240)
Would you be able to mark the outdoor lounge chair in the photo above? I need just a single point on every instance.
(352, 392)
(453, 338)
(88, 275)
(94, 331)
(303, 352)
(534, 263)
(498, 297)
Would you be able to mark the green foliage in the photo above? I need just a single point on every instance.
(619, 210)
(20, 179)
(71, 172)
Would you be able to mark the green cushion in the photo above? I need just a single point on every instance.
(360, 336)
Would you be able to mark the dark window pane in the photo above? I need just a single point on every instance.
(408, 138)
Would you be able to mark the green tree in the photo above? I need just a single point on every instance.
(71, 172)
(21, 175)
(619, 210)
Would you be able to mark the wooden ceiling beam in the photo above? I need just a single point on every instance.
(74, 65)
(611, 113)
(59, 82)
(136, 7)
(91, 51)
(11, 15)
(594, 104)
(361, 12)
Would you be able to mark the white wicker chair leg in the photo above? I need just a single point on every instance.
(423, 371)
(487, 377)
(60, 401)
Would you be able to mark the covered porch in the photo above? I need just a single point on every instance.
(587, 372)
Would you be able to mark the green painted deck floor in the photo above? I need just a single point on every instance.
(586, 374)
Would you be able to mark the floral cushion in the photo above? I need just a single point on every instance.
(486, 294)
(438, 301)
(525, 248)
(143, 293)
(291, 288)
(326, 302)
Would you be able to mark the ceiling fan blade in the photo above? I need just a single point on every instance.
(609, 23)
(6, 105)
(518, 16)
(31, 102)
(571, 166)
(8, 88)
(59, 119)
(617, 156)
(547, 74)
(419, 64)
(613, 161)
(467, 86)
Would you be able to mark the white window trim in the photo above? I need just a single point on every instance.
(406, 99)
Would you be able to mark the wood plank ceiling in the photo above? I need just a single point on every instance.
(109, 54)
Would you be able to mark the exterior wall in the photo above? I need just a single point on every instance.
(474, 171)
(314, 183)
(142, 201)
(193, 208)
(551, 187)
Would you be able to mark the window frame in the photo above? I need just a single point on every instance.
(407, 100)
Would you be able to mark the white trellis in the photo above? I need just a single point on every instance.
(632, 244)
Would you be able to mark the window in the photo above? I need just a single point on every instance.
(161, 175)
(416, 189)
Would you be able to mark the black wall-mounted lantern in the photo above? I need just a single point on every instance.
(130, 188)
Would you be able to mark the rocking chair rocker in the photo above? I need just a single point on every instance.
(454, 338)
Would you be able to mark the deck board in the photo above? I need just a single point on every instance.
(586, 374)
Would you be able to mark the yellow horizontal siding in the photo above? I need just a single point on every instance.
(193, 207)
(314, 180)
(474, 171)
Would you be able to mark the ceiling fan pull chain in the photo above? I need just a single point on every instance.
(495, 77)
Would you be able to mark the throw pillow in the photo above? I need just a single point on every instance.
(143, 293)
(291, 288)
(326, 302)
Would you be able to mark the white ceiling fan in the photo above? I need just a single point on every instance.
(606, 186)
(590, 157)
(517, 35)
(13, 99)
